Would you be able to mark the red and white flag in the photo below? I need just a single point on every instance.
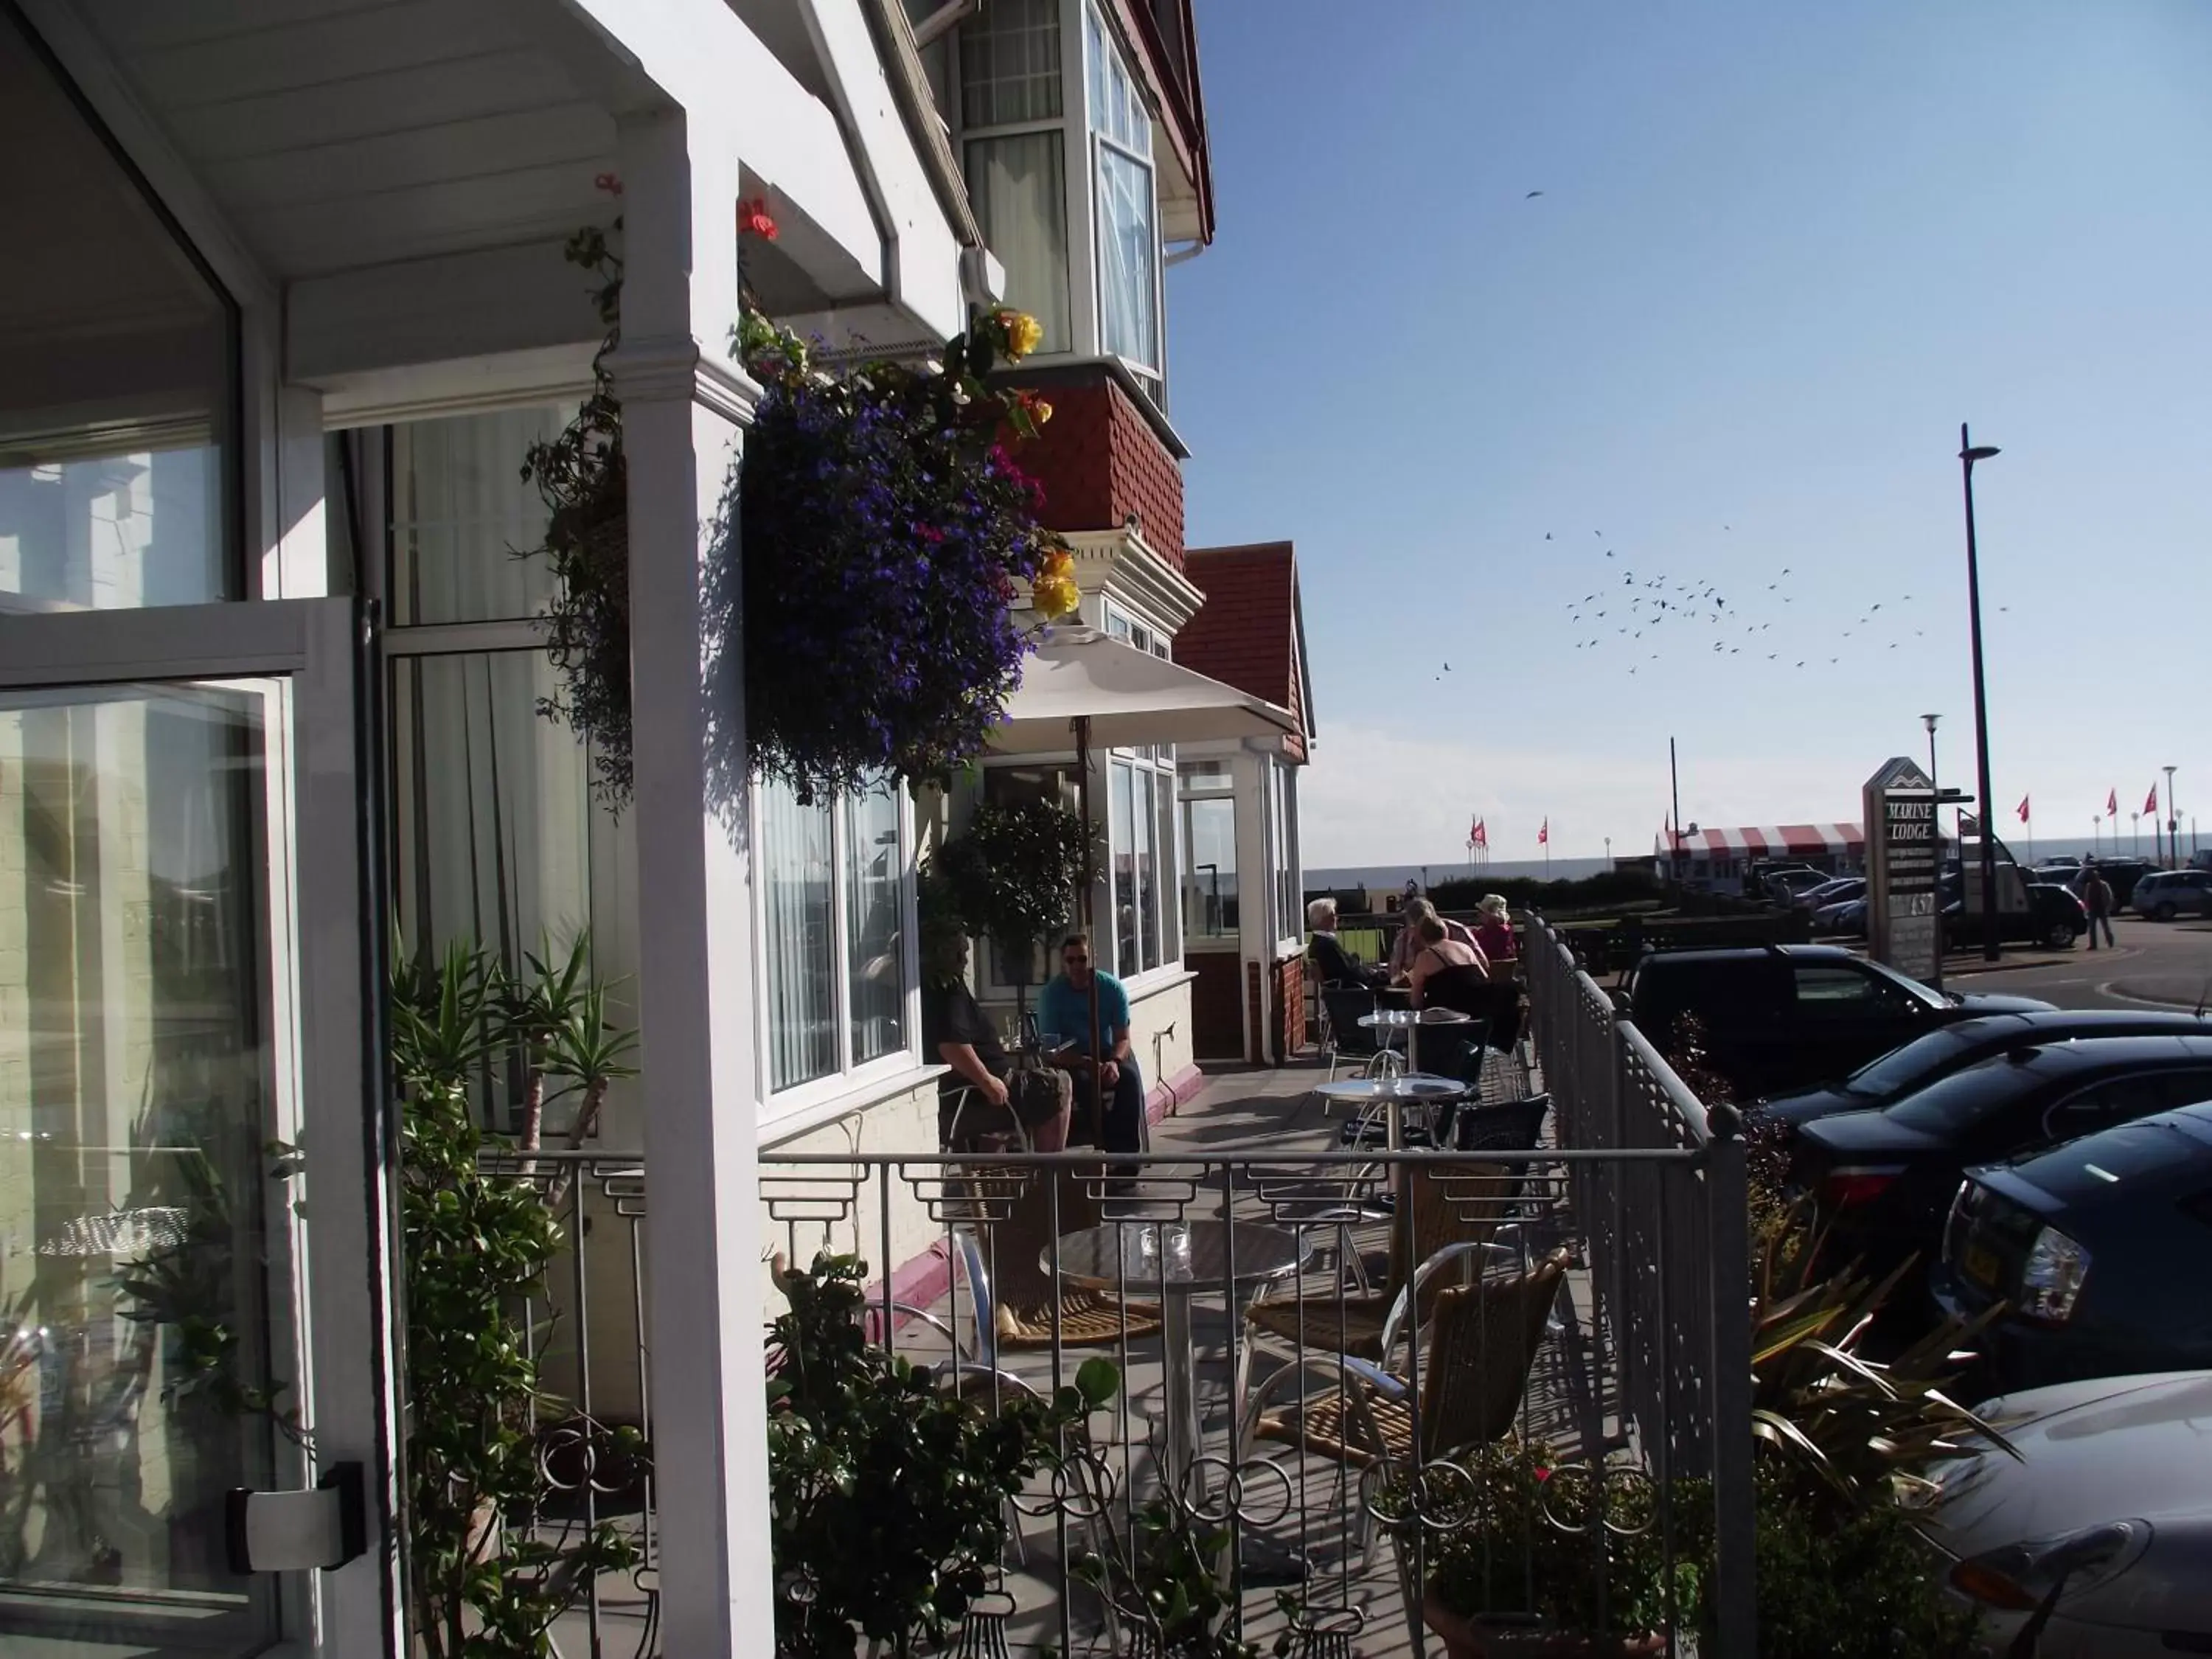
(2150, 802)
(1544, 834)
(1478, 836)
(2022, 809)
(2113, 803)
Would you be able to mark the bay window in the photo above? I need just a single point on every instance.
(1209, 834)
(1011, 106)
(1283, 838)
(1127, 230)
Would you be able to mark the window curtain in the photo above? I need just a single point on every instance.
(1128, 313)
(800, 945)
(875, 943)
(1010, 65)
(496, 836)
(1019, 188)
(461, 513)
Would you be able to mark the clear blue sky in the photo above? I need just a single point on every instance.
(1783, 250)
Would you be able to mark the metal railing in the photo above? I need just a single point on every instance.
(1320, 1358)
(1673, 1278)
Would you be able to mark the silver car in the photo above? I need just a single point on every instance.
(2165, 893)
(2106, 1517)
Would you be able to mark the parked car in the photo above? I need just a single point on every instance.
(2165, 893)
(1884, 1180)
(1782, 1016)
(1848, 919)
(2121, 875)
(2111, 1492)
(1838, 891)
(1922, 1061)
(2054, 917)
(1783, 886)
(2101, 1249)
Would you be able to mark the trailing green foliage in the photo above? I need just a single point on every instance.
(887, 1491)
(476, 1246)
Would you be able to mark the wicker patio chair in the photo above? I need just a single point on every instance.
(1006, 1262)
(1461, 1205)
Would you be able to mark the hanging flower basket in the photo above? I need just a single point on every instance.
(871, 545)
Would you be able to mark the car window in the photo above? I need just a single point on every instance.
(2123, 1099)
(1918, 1060)
(1967, 1098)
(1844, 991)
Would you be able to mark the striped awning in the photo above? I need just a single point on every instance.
(1771, 840)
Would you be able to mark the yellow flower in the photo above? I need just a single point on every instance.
(1022, 333)
(1060, 564)
(1053, 597)
(1040, 411)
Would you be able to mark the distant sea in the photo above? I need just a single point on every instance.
(1388, 877)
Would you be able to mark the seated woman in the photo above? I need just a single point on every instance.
(1408, 944)
(1493, 929)
(1448, 973)
(1336, 965)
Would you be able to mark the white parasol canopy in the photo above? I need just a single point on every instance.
(1128, 696)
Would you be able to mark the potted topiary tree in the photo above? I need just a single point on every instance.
(1013, 875)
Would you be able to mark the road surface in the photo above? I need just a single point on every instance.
(2159, 964)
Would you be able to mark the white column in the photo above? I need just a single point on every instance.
(683, 405)
(1256, 895)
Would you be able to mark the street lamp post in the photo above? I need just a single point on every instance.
(2172, 822)
(1968, 454)
(2135, 834)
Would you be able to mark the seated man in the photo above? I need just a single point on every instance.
(1064, 1007)
(961, 1036)
(1336, 965)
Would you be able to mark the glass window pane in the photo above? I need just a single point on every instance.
(1288, 906)
(117, 375)
(460, 512)
(133, 1115)
(1123, 794)
(799, 944)
(1010, 64)
(875, 942)
(1209, 902)
(1147, 849)
(496, 839)
(1128, 316)
(1020, 194)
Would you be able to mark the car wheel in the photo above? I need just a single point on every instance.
(2059, 936)
(2163, 911)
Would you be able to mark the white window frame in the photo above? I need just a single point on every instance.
(1097, 35)
(848, 1078)
(1285, 879)
(1119, 621)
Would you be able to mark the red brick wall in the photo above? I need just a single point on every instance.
(1099, 460)
(1290, 1029)
(1256, 1001)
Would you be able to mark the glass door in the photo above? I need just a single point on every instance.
(187, 1196)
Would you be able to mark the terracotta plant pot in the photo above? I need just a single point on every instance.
(1475, 1638)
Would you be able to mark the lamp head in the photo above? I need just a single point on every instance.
(1979, 452)
(1928, 720)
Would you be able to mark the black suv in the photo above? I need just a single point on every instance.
(1782, 1016)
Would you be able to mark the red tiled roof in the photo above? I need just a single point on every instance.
(1249, 633)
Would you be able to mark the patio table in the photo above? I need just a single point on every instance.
(1392, 1093)
(1178, 1259)
(1410, 1021)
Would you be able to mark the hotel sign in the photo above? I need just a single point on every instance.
(1903, 928)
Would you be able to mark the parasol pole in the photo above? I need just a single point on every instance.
(1082, 725)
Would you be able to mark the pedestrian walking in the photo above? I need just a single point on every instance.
(2097, 899)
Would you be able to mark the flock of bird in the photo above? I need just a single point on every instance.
(1640, 619)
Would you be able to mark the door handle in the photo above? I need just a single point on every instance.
(319, 1529)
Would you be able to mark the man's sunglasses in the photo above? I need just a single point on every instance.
(1075, 961)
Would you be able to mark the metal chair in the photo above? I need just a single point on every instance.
(1482, 1339)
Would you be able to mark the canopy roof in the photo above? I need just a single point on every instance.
(1130, 696)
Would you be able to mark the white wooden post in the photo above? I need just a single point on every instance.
(684, 404)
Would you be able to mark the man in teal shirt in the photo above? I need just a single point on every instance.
(1064, 1009)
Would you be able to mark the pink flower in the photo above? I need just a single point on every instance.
(753, 219)
(1543, 1475)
